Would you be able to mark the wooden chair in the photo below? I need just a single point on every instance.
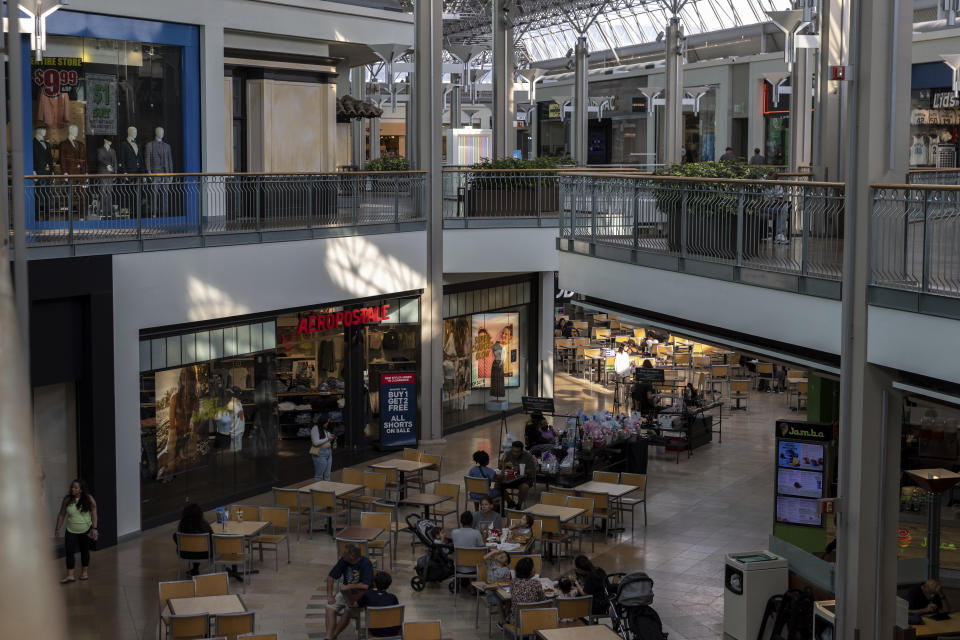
(591, 359)
(719, 374)
(553, 499)
(536, 558)
(422, 630)
(701, 363)
(414, 478)
(554, 535)
(601, 508)
(576, 609)
(250, 512)
(764, 372)
(583, 523)
(482, 596)
(477, 486)
(279, 519)
(800, 393)
(211, 584)
(606, 476)
(395, 527)
(636, 497)
(383, 521)
(523, 626)
(465, 561)
(374, 482)
(343, 542)
(411, 455)
(168, 591)
(433, 473)
(290, 498)
(384, 617)
(682, 360)
(740, 392)
(444, 509)
(562, 491)
(184, 627)
(533, 620)
(192, 543)
(393, 485)
(323, 504)
(232, 550)
(231, 625)
(361, 500)
(514, 514)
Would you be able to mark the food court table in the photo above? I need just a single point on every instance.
(339, 489)
(214, 605)
(566, 514)
(590, 632)
(612, 489)
(360, 533)
(425, 500)
(245, 528)
(932, 628)
(503, 593)
(403, 467)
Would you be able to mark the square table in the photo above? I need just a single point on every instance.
(403, 467)
(590, 632)
(425, 500)
(245, 528)
(612, 489)
(339, 489)
(932, 628)
(549, 590)
(214, 605)
(566, 514)
(359, 533)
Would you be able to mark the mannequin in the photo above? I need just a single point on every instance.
(158, 156)
(106, 163)
(42, 153)
(496, 372)
(130, 156)
(73, 153)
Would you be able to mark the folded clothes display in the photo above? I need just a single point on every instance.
(286, 406)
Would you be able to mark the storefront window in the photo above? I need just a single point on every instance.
(699, 120)
(228, 411)
(87, 91)
(777, 136)
(934, 120)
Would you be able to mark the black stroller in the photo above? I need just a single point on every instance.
(630, 612)
(436, 565)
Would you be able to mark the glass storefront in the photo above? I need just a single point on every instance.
(487, 335)
(227, 410)
(934, 120)
(776, 125)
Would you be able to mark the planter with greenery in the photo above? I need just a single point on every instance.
(512, 187)
(713, 207)
(387, 164)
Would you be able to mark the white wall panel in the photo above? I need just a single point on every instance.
(499, 250)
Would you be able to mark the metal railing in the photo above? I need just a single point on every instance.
(95, 208)
(934, 176)
(492, 193)
(916, 238)
(781, 226)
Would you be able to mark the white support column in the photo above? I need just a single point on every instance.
(426, 111)
(374, 138)
(581, 106)
(878, 116)
(212, 109)
(358, 134)
(455, 106)
(672, 139)
(828, 156)
(546, 334)
(504, 136)
(801, 116)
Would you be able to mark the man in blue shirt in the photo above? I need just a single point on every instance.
(356, 572)
(380, 597)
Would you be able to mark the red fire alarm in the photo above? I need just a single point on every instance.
(827, 505)
(838, 72)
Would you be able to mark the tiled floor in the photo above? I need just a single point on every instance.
(716, 502)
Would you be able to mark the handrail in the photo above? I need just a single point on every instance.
(765, 183)
(934, 170)
(107, 176)
(28, 577)
(918, 187)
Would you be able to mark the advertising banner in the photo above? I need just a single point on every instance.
(101, 104)
(398, 409)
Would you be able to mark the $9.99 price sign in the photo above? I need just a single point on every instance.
(398, 409)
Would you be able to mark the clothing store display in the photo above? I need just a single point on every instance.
(106, 160)
(42, 158)
(376, 339)
(158, 157)
(73, 157)
(496, 379)
(391, 341)
(327, 359)
(131, 157)
(53, 112)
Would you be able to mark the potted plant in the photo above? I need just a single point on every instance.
(507, 187)
(713, 207)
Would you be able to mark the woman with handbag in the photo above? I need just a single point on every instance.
(79, 510)
(322, 443)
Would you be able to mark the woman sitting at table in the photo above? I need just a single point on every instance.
(482, 470)
(592, 581)
(524, 588)
(487, 518)
(192, 521)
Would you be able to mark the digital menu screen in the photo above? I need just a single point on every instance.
(800, 455)
(796, 482)
(798, 511)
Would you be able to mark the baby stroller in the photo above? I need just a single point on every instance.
(630, 612)
(436, 565)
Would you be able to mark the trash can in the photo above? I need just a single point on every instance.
(750, 578)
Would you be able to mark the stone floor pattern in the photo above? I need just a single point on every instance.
(716, 502)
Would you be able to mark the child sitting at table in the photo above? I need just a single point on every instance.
(498, 570)
(567, 590)
(524, 526)
(378, 596)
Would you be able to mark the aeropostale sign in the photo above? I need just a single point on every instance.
(349, 318)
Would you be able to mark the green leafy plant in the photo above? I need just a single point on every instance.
(734, 169)
(387, 164)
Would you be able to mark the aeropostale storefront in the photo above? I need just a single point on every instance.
(226, 408)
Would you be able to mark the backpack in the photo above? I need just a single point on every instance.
(792, 615)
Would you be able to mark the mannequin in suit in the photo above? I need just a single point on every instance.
(158, 156)
(73, 153)
(106, 163)
(42, 153)
(130, 156)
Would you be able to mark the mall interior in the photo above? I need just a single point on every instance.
(659, 298)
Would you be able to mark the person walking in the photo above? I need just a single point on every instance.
(321, 451)
(758, 158)
(79, 510)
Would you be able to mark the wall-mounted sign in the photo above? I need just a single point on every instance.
(398, 409)
(553, 110)
(56, 75)
(348, 318)
(791, 430)
(101, 104)
(945, 100)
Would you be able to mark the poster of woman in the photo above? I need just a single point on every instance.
(179, 417)
(488, 330)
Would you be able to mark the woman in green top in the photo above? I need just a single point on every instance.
(79, 509)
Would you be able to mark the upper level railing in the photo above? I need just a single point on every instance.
(784, 227)
(934, 176)
(85, 209)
